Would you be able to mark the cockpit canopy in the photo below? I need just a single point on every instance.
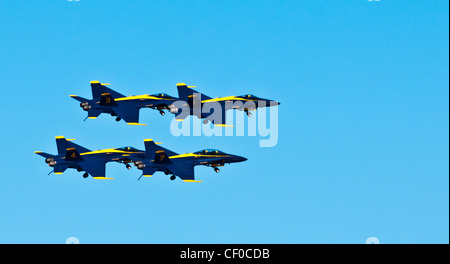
(129, 149)
(209, 152)
(162, 95)
(251, 97)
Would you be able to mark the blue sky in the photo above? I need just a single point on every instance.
(363, 121)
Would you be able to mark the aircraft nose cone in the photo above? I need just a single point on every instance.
(240, 159)
(273, 103)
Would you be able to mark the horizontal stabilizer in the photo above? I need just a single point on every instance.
(43, 154)
(79, 98)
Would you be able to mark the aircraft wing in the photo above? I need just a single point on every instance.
(182, 115)
(148, 171)
(184, 171)
(129, 114)
(218, 118)
(95, 168)
(60, 168)
(183, 110)
(94, 113)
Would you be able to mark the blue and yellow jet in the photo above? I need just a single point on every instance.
(73, 156)
(196, 101)
(158, 158)
(106, 100)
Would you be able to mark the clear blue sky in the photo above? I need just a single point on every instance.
(363, 144)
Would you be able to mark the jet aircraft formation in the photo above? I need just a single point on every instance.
(154, 157)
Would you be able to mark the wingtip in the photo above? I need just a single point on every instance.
(136, 124)
(223, 125)
(191, 181)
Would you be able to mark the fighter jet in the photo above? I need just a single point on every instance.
(201, 105)
(158, 158)
(71, 155)
(106, 100)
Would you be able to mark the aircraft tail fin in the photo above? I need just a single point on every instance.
(186, 92)
(100, 88)
(106, 99)
(73, 155)
(161, 157)
(63, 144)
(151, 148)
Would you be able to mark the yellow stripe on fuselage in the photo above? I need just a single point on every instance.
(197, 156)
(109, 151)
(228, 98)
(125, 153)
(139, 97)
